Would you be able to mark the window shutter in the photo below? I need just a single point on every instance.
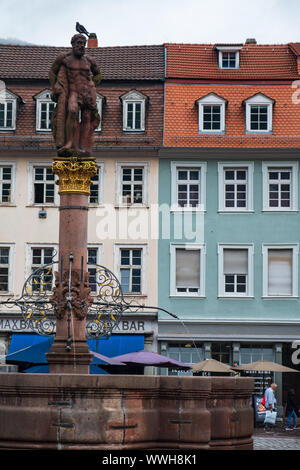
(280, 272)
(187, 268)
(235, 261)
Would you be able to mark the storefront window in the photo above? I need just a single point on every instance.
(221, 352)
(252, 353)
(189, 354)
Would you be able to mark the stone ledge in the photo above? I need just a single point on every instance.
(124, 412)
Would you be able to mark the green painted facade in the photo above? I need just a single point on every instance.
(257, 227)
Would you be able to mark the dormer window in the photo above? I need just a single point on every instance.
(44, 109)
(211, 114)
(229, 57)
(259, 114)
(134, 107)
(99, 103)
(8, 110)
(229, 60)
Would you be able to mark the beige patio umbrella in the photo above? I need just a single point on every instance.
(265, 366)
(211, 365)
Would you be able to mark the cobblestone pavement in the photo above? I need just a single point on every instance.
(276, 443)
(277, 440)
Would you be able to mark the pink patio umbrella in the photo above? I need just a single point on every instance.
(101, 360)
(148, 358)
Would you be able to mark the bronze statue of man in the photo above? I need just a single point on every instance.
(73, 78)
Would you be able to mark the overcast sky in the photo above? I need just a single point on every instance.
(129, 22)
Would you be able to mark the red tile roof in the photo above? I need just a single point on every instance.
(116, 63)
(263, 62)
(181, 118)
(295, 46)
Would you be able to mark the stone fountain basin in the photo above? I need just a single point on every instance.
(86, 412)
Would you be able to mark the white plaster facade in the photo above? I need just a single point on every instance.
(21, 227)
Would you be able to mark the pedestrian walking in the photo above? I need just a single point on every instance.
(270, 405)
(292, 410)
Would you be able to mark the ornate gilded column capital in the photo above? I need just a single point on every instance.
(74, 174)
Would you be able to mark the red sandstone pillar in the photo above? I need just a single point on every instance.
(71, 297)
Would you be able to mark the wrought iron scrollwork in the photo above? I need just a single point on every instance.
(34, 303)
(109, 303)
(39, 309)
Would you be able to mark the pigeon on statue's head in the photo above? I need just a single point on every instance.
(81, 29)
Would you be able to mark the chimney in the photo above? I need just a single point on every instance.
(251, 41)
(92, 40)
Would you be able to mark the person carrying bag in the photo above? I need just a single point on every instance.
(270, 404)
(271, 417)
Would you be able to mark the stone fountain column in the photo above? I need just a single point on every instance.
(73, 78)
(71, 296)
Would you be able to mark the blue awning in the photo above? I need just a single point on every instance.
(31, 354)
(41, 369)
(23, 340)
(29, 350)
(116, 345)
(44, 369)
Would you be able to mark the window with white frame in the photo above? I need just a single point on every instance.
(229, 56)
(42, 187)
(280, 186)
(188, 185)
(229, 60)
(96, 188)
(211, 114)
(134, 107)
(132, 184)
(7, 182)
(99, 103)
(6, 268)
(235, 271)
(280, 270)
(258, 118)
(44, 110)
(236, 187)
(8, 110)
(279, 183)
(211, 117)
(93, 258)
(259, 114)
(131, 268)
(187, 270)
(41, 256)
(6, 115)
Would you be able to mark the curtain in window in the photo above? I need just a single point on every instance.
(235, 261)
(280, 272)
(187, 268)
